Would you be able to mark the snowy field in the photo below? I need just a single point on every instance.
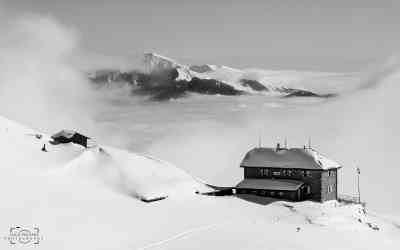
(82, 199)
(87, 199)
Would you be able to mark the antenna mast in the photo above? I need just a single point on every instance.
(309, 142)
(358, 184)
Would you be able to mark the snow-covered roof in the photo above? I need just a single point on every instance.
(66, 133)
(297, 158)
(270, 184)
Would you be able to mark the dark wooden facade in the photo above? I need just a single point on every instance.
(320, 185)
(80, 139)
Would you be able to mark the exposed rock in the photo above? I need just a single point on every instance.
(212, 86)
(305, 93)
(253, 84)
(201, 68)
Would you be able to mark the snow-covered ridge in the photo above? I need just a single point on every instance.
(173, 79)
(279, 81)
(129, 173)
(155, 62)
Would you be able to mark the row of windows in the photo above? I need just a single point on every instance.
(285, 172)
(270, 193)
(263, 192)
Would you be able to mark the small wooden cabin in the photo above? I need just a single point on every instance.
(293, 174)
(67, 136)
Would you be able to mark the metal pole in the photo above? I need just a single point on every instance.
(358, 185)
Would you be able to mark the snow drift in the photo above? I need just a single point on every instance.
(135, 175)
(132, 174)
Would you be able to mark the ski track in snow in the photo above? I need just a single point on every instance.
(295, 211)
(180, 235)
(394, 223)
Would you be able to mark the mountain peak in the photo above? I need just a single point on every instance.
(155, 62)
(153, 55)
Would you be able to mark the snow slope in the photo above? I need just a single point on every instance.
(230, 76)
(129, 173)
(40, 189)
(277, 82)
(135, 175)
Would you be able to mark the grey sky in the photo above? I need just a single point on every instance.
(321, 35)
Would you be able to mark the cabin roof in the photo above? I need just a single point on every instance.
(270, 184)
(66, 134)
(293, 158)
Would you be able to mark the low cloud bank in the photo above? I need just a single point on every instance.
(38, 86)
(43, 79)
